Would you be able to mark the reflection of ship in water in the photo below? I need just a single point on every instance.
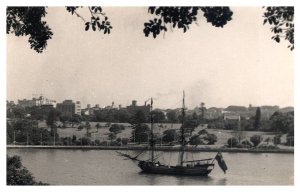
(201, 167)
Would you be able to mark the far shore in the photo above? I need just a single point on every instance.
(158, 148)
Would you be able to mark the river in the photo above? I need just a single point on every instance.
(105, 167)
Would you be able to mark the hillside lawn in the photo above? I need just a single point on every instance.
(103, 132)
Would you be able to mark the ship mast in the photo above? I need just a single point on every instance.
(152, 136)
(182, 133)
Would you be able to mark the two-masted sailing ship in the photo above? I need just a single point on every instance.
(201, 167)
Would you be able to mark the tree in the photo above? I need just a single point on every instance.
(172, 116)
(277, 139)
(112, 136)
(27, 132)
(189, 124)
(74, 139)
(53, 116)
(158, 116)
(17, 112)
(196, 140)
(123, 141)
(290, 140)
(139, 117)
(123, 116)
(97, 142)
(282, 122)
(232, 142)
(98, 126)
(76, 119)
(257, 119)
(116, 128)
(182, 17)
(247, 144)
(65, 118)
(169, 135)
(28, 21)
(202, 109)
(140, 133)
(282, 21)
(256, 139)
(85, 141)
(211, 139)
(35, 112)
(17, 174)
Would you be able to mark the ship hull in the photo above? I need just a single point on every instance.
(202, 170)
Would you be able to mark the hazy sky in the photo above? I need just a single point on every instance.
(235, 65)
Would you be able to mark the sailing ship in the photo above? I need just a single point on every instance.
(201, 167)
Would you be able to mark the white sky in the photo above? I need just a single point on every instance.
(235, 65)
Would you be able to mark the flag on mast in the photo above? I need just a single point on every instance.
(221, 162)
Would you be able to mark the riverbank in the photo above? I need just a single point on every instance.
(158, 148)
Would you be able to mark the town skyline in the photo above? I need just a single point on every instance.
(138, 103)
(252, 69)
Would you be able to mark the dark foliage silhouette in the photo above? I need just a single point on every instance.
(182, 17)
(28, 21)
(282, 21)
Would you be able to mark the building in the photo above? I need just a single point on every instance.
(133, 108)
(41, 100)
(78, 108)
(91, 110)
(46, 109)
(229, 116)
(69, 108)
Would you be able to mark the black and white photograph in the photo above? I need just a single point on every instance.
(163, 95)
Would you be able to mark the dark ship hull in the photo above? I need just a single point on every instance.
(196, 170)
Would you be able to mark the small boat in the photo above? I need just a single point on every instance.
(201, 167)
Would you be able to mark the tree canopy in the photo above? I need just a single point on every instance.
(282, 21)
(28, 21)
(282, 122)
(17, 174)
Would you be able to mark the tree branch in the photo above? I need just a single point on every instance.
(79, 16)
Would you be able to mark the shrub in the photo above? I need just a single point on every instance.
(140, 133)
(196, 140)
(211, 139)
(232, 142)
(268, 139)
(247, 144)
(268, 146)
(125, 141)
(114, 143)
(255, 139)
(169, 135)
(112, 136)
(116, 128)
(277, 139)
(290, 140)
(240, 145)
(203, 132)
(17, 174)
(104, 143)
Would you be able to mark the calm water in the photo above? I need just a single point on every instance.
(96, 167)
